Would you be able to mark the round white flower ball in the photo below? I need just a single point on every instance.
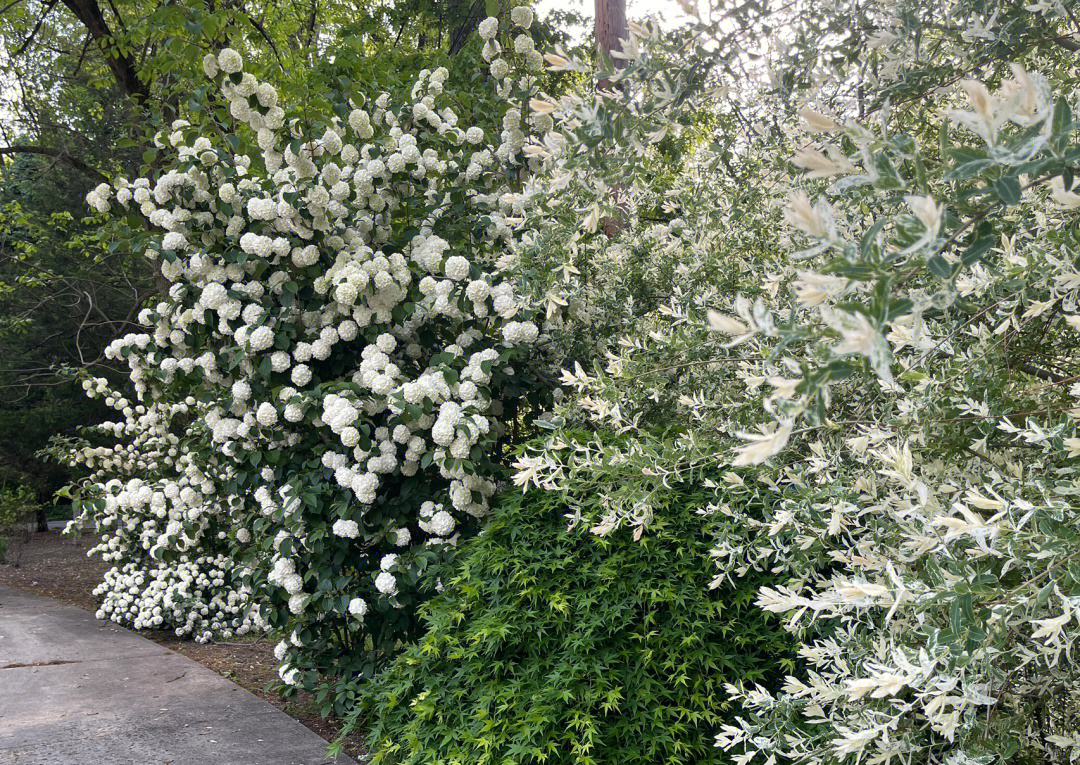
(229, 61)
(488, 28)
(279, 361)
(386, 342)
(350, 436)
(173, 241)
(522, 16)
(261, 338)
(442, 524)
(456, 268)
(523, 44)
(346, 529)
(241, 391)
(266, 414)
(301, 374)
(386, 583)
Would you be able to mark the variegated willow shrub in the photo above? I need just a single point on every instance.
(910, 336)
(947, 279)
(319, 405)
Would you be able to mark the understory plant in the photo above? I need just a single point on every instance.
(18, 508)
(552, 645)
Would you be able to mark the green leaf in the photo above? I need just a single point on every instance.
(940, 267)
(887, 176)
(1008, 190)
(869, 239)
(1044, 595)
(1061, 125)
(977, 249)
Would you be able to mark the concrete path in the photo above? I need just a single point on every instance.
(75, 691)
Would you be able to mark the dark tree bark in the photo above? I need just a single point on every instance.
(471, 17)
(89, 13)
(609, 28)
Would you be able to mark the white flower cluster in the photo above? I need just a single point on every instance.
(192, 595)
(358, 607)
(98, 198)
(385, 581)
(318, 350)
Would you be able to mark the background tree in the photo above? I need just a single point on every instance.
(609, 29)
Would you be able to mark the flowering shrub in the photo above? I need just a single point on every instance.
(876, 401)
(191, 594)
(155, 505)
(560, 647)
(321, 400)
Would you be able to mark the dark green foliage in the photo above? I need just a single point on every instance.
(63, 297)
(559, 646)
(17, 510)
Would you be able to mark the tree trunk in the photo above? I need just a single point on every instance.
(610, 27)
(89, 13)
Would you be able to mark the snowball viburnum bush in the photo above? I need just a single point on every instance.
(192, 594)
(331, 373)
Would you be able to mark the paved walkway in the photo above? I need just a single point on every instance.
(75, 691)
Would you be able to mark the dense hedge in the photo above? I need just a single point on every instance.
(556, 647)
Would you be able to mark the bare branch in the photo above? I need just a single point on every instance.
(1042, 374)
(48, 151)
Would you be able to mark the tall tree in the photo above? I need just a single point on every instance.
(610, 29)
